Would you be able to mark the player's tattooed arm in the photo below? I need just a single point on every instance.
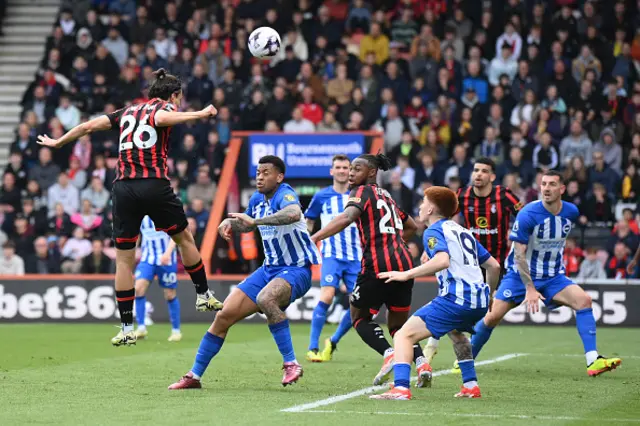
(288, 215)
(522, 265)
(236, 225)
(338, 223)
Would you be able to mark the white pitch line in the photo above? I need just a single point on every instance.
(581, 355)
(491, 416)
(371, 389)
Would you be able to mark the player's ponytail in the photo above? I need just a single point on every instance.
(164, 85)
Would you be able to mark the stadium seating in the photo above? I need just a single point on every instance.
(452, 68)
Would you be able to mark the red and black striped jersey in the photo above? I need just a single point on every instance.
(143, 146)
(488, 217)
(380, 225)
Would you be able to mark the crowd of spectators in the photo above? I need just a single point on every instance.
(534, 85)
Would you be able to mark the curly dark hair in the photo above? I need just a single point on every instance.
(165, 85)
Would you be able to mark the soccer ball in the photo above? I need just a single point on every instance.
(264, 42)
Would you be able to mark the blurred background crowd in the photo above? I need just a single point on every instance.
(535, 85)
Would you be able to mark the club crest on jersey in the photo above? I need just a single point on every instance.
(431, 242)
(566, 229)
(328, 278)
(506, 293)
(482, 222)
(289, 197)
(493, 208)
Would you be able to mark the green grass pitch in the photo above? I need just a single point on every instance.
(70, 374)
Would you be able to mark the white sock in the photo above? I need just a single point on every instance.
(470, 385)
(388, 352)
(126, 328)
(173, 330)
(433, 342)
(591, 357)
(142, 327)
(195, 376)
(420, 360)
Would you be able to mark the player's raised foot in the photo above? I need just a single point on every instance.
(175, 336)
(123, 338)
(141, 333)
(424, 375)
(292, 372)
(313, 355)
(186, 382)
(602, 365)
(474, 392)
(396, 394)
(456, 368)
(207, 302)
(385, 370)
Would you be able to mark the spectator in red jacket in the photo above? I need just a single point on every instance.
(617, 265)
(310, 110)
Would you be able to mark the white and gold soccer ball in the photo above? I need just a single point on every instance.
(264, 42)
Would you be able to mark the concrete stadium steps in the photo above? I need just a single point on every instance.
(26, 26)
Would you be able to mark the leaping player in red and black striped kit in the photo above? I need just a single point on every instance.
(383, 228)
(487, 211)
(142, 188)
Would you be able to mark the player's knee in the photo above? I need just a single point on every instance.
(141, 288)
(492, 319)
(327, 294)
(264, 302)
(224, 319)
(169, 294)
(584, 301)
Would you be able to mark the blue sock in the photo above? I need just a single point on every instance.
(174, 313)
(586, 325)
(480, 337)
(282, 335)
(141, 310)
(343, 327)
(317, 322)
(402, 374)
(209, 346)
(468, 370)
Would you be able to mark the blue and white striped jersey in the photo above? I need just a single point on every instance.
(154, 243)
(286, 245)
(345, 245)
(462, 282)
(545, 235)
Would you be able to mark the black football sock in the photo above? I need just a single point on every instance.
(198, 276)
(417, 353)
(371, 333)
(125, 307)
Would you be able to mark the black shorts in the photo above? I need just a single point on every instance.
(133, 199)
(370, 293)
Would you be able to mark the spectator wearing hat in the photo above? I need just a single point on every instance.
(10, 262)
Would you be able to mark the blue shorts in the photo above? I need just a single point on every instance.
(442, 316)
(513, 290)
(334, 270)
(167, 274)
(299, 278)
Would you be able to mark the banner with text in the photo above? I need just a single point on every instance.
(94, 301)
(305, 156)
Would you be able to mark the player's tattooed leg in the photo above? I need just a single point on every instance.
(461, 346)
(274, 296)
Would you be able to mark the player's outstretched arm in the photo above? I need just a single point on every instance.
(82, 129)
(532, 297)
(230, 225)
(171, 118)
(436, 264)
(288, 215)
(338, 223)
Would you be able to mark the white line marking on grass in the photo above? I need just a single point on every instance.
(491, 416)
(371, 389)
(582, 355)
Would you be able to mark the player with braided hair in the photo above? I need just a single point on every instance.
(384, 229)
